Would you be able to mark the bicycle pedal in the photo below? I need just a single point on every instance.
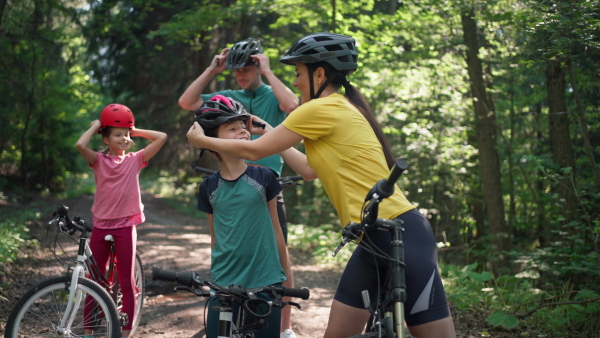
(124, 319)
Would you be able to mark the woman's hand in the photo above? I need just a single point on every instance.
(258, 126)
(195, 135)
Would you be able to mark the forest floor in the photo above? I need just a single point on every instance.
(173, 241)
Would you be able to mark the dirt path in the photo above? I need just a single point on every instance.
(169, 240)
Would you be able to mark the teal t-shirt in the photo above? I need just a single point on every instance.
(262, 103)
(245, 250)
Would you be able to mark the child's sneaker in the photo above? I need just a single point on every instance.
(288, 333)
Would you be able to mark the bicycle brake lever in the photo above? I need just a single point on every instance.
(339, 247)
(294, 304)
(198, 292)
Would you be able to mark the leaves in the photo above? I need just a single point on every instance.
(501, 318)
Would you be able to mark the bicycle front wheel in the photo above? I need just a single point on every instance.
(40, 311)
(140, 284)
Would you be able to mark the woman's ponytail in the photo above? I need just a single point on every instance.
(358, 100)
(338, 79)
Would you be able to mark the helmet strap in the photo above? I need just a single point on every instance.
(311, 70)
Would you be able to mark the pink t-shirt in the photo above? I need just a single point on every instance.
(117, 185)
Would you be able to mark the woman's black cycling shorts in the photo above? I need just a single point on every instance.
(426, 299)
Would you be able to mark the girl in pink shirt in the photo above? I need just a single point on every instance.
(118, 205)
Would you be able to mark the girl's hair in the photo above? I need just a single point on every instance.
(106, 133)
(357, 99)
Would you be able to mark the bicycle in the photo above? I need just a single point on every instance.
(55, 307)
(387, 314)
(253, 311)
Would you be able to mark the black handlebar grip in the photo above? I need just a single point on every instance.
(299, 293)
(62, 209)
(400, 166)
(183, 278)
(385, 187)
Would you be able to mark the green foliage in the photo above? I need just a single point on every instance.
(77, 185)
(13, 228)
(182, 197)
(12, 235)
(320, 243)
(46, 88)
(522, 300)
(501, 318)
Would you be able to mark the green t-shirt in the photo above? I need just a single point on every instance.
(245, 249)
(262, 103)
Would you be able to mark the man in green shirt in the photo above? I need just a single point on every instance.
(270, 102)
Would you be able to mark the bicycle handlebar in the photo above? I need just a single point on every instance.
(191, 279)
(62, 211)
(384, 188)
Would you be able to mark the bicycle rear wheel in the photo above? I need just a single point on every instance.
(39, 312)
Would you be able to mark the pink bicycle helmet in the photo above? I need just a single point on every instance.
(116, 115)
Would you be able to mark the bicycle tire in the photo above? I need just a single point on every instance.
(140, 284)
(40, 310)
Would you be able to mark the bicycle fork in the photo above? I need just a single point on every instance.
(398, 287)
(75, 295)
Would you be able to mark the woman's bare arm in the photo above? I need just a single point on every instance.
(278, 140)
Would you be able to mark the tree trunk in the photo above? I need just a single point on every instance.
(560, 139)
(2, 7)
(486, 144)
(583, 123)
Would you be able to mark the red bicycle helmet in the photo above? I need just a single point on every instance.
(116, 115)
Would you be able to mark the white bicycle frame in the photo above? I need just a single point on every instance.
(74, 293)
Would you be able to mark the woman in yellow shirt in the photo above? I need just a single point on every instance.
(347, 150)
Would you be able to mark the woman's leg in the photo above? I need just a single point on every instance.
(426, 306)
(345, 321)
(442, 328)
(427, 313)
(348, 316)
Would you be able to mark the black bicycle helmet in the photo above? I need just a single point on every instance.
(337, 50)
(220, 110)
(239, 55)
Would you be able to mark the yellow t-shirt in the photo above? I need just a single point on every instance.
(346, 155)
